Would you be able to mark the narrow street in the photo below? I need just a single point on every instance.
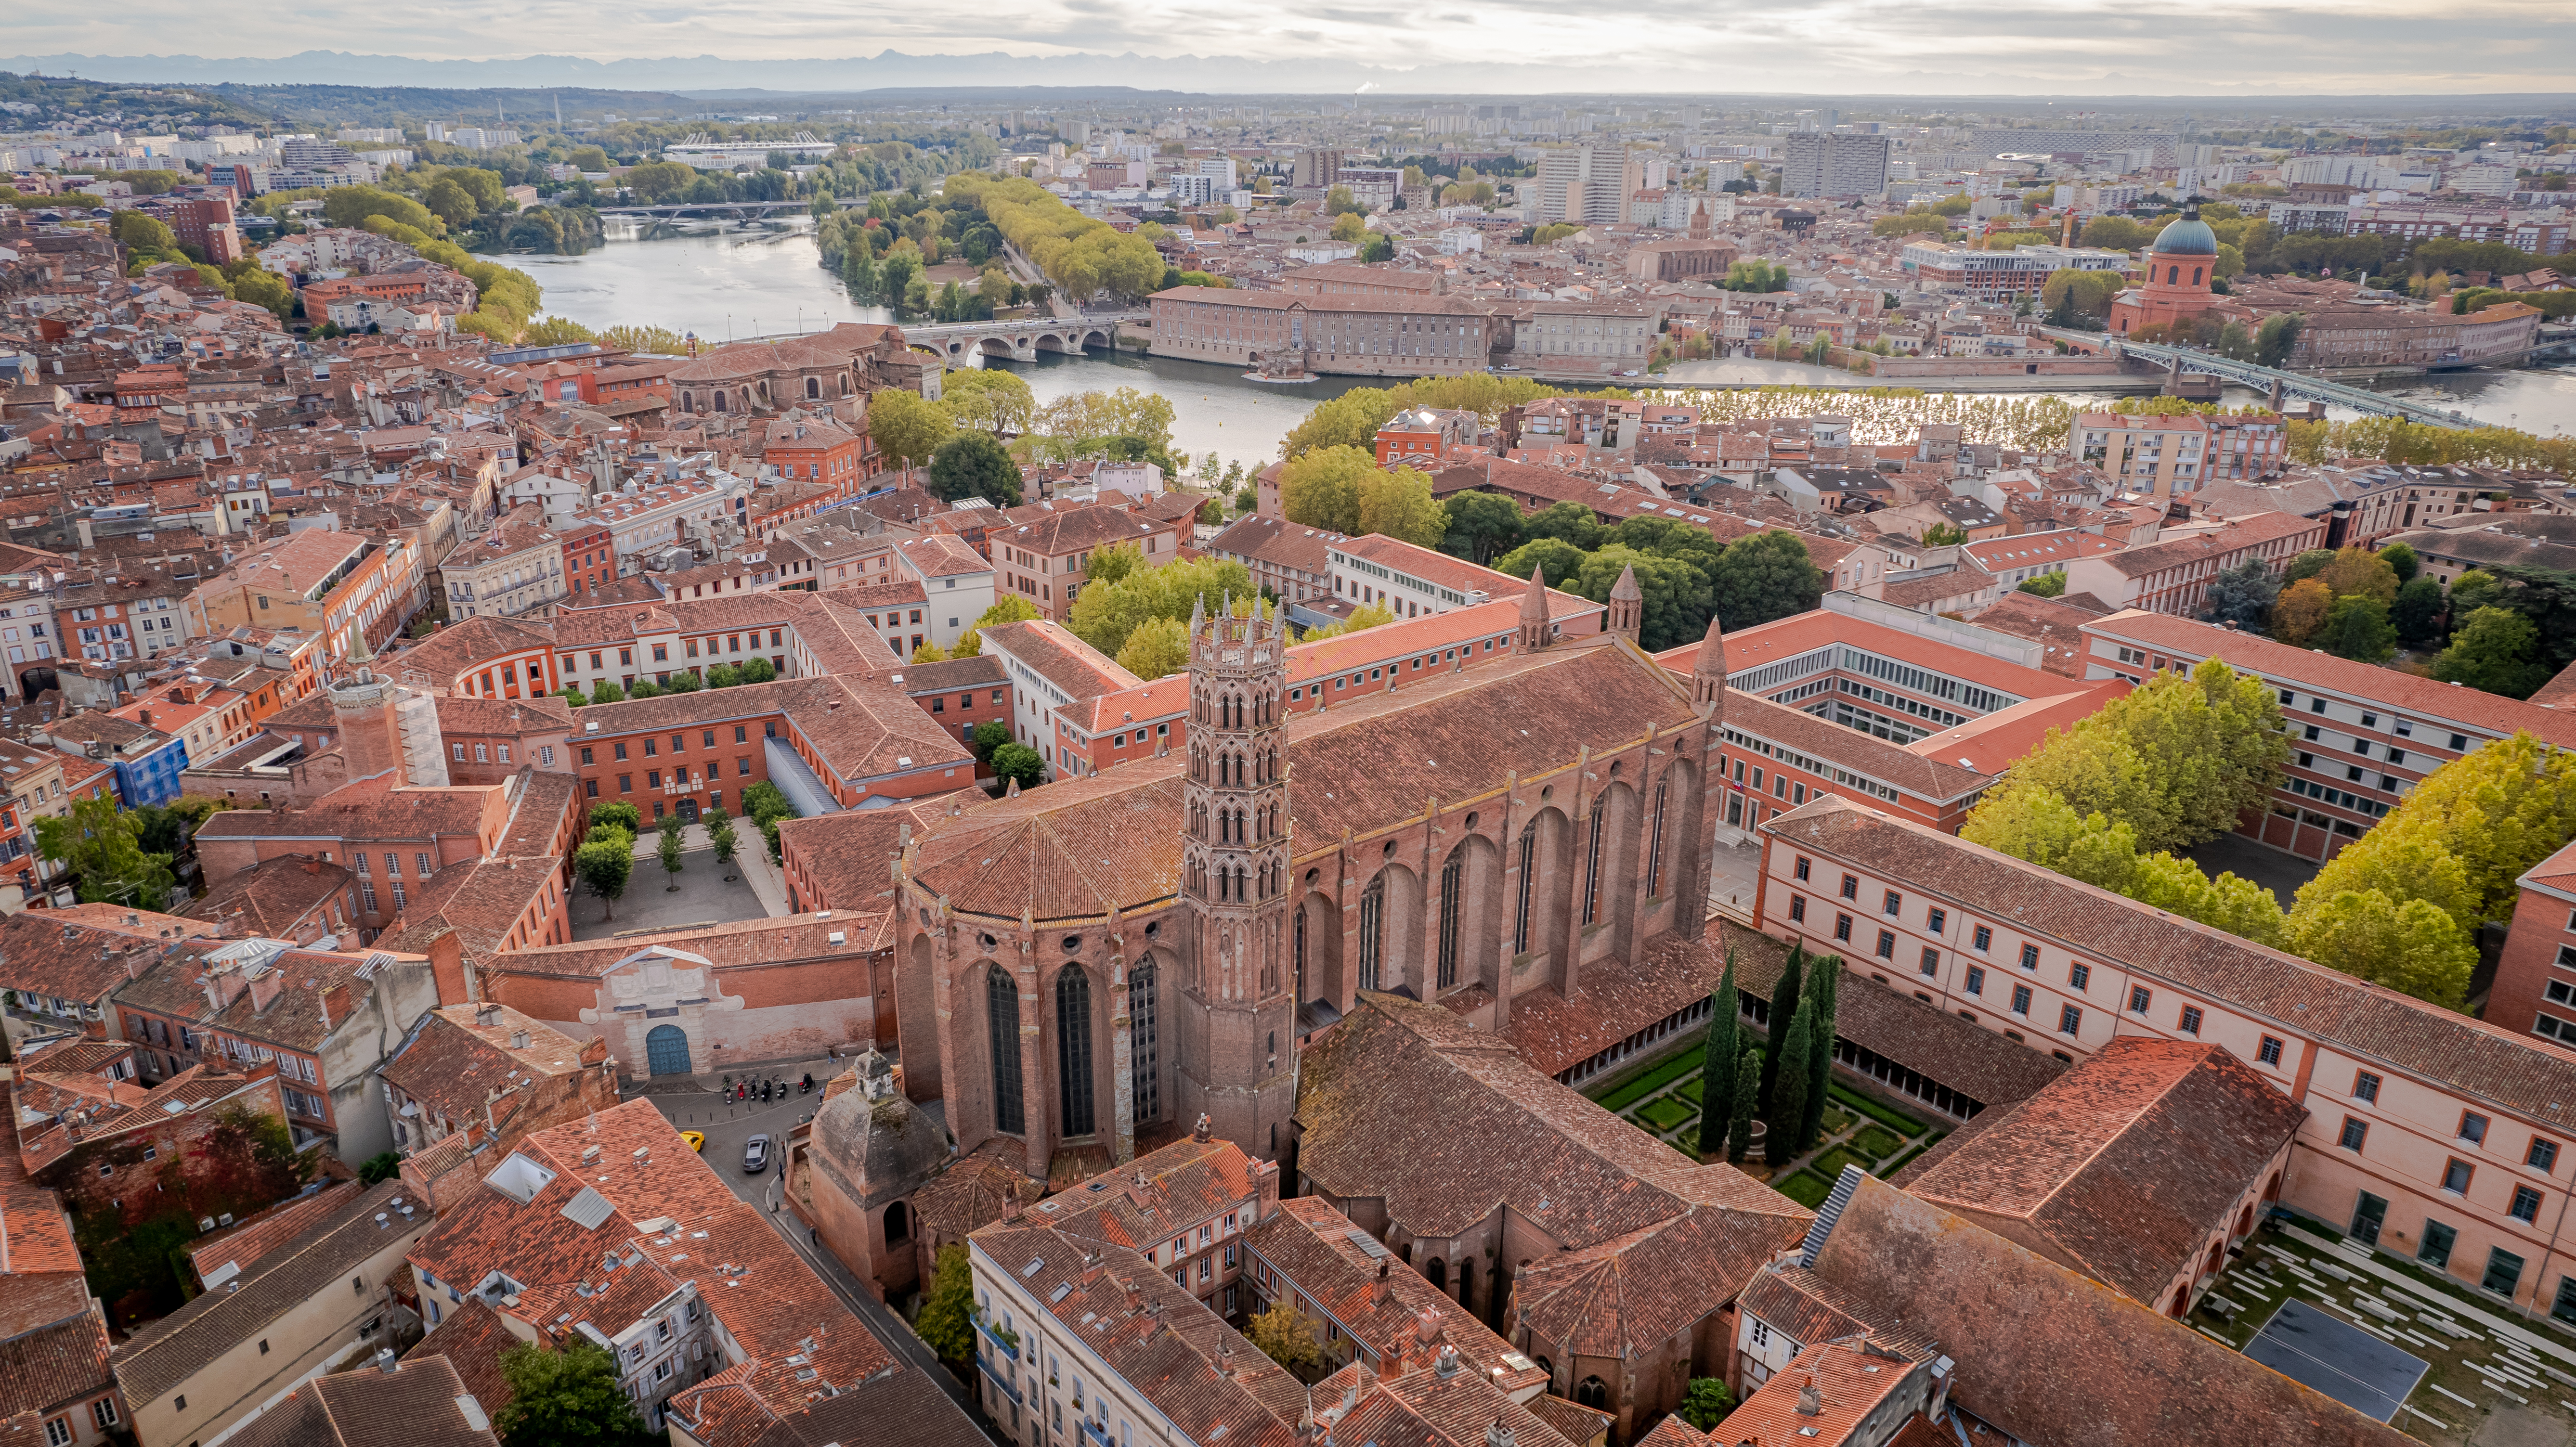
(727, 1127)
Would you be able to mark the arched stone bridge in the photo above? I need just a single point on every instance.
(1016, 341)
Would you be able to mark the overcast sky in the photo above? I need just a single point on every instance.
(2135, 47)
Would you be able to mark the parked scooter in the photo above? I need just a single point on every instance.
(806, 1084)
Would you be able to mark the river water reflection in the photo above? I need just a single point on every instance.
(738, 281)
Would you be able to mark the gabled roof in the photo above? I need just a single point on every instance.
(2007, 1315)
(2125, 1166)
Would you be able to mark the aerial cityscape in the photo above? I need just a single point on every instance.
(1091, 727)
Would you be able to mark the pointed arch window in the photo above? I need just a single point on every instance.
(1372, 931)
(1655, 848)
(1002, 1016)
(1073, 1050)
(1528, 890)
(1144, 1042)
(1452, 906)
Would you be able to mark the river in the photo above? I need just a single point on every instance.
(731, 281)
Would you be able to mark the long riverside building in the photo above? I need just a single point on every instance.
(1426, 336)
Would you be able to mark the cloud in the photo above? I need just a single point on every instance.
(1505, 46)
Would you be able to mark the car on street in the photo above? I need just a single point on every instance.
(696, 1140)
(755, 1155)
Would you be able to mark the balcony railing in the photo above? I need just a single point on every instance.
(1001, 1343)
(998, 1380)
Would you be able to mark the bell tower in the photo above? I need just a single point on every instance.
(1238, 1013)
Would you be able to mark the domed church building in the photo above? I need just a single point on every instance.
(2181, 263)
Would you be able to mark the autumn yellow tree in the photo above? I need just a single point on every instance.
(2301, 611)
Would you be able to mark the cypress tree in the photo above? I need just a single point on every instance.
(1789, 1087)
(1748, 1084)
(1821, 982)
(1717, 1065)
(1784, 1003)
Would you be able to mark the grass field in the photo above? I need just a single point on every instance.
(1650, 1082)
(1667, 1113)
(1895, 1120)
(1806, 1188)
(1875, 1144)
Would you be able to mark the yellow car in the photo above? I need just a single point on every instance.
(697, 1139)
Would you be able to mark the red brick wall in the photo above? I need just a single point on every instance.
(2529, 964)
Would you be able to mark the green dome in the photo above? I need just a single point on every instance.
(2189, 236)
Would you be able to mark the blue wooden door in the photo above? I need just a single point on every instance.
(666, 1051)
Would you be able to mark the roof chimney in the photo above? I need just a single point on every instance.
(1811, 1403)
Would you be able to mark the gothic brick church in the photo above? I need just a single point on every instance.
(1096, 963)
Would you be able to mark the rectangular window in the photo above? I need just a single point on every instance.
(1851, 886)
(2021, 1000)
(1842, 927)
(1931, 961)
(2365, 1086)
(1985, 938)
(2080, 975)
(2139, 998)
(2269, 1052)
(1886, 944)
(1801, 869)
(2504, 1269)
(2070, 1020)
(2543, 1154)
(2473, 1127)
(2526, 1204)
(1937, 921)
(2455, 1177)
(2355, 1131)
(2438, 1239)
(1894, 904)
(1798, 907)
(1976, 980)
(58, 1430)
(2030, 957)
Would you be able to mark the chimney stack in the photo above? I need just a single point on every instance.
(1811, 1403)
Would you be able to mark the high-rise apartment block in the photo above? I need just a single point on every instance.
(1819, 163)
(1588, 184)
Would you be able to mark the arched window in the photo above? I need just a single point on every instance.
(1593, 1392)
(1372, 930)
(898, 1223)
(688, 402)
(1437, 1273)
(1299, 950)
(1002, 1016)
(2173, 275)
(1073, 1049)
(1529, 883)
(1452, 905)
(720, 401)
(2195, 276)
(813, 387)
(1592, 866)
(1655, 847)
(1144, 1039)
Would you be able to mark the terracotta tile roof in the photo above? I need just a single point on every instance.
(1850, 1379)
(2126, 1165)
(1079, 846)
(1924, 777)
(461, 1057)
(57, 1350)
(1156, 1196)
(949, 675)
(2514, 1072)
(274, 896)
(1971, 1060)
(2238, 535)
(739, 943)
(472, 1338)
(903, 1407)
(971, 1192)
(164, 1353)
(1056, 529)
(1582, 1425)
(849, 857)
(413, 1405)
(2005, 1313)
(244, 1243)
(1204, 1377)
(2052, 623)
(1447, 1124)
(1275, 542)
(2279, 663)
(941, 555)
(296, 1017)
(1430, 1406)
(1055, 654)
(83, 953)
(1379, 1301)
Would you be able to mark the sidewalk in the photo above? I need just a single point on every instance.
(750, 860)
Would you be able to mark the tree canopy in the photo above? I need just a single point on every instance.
(563, 1397)
(974, 464)
(1107, 613)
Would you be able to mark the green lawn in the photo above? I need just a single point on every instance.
(1653, 1080)
(1834, 1121)
(1895, 1120)
(1830, 1164)
(1806, 1188)
(1688, 1090)
(1875, 1144)
(1667, 1113)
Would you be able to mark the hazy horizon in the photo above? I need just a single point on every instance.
(2183, 50)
